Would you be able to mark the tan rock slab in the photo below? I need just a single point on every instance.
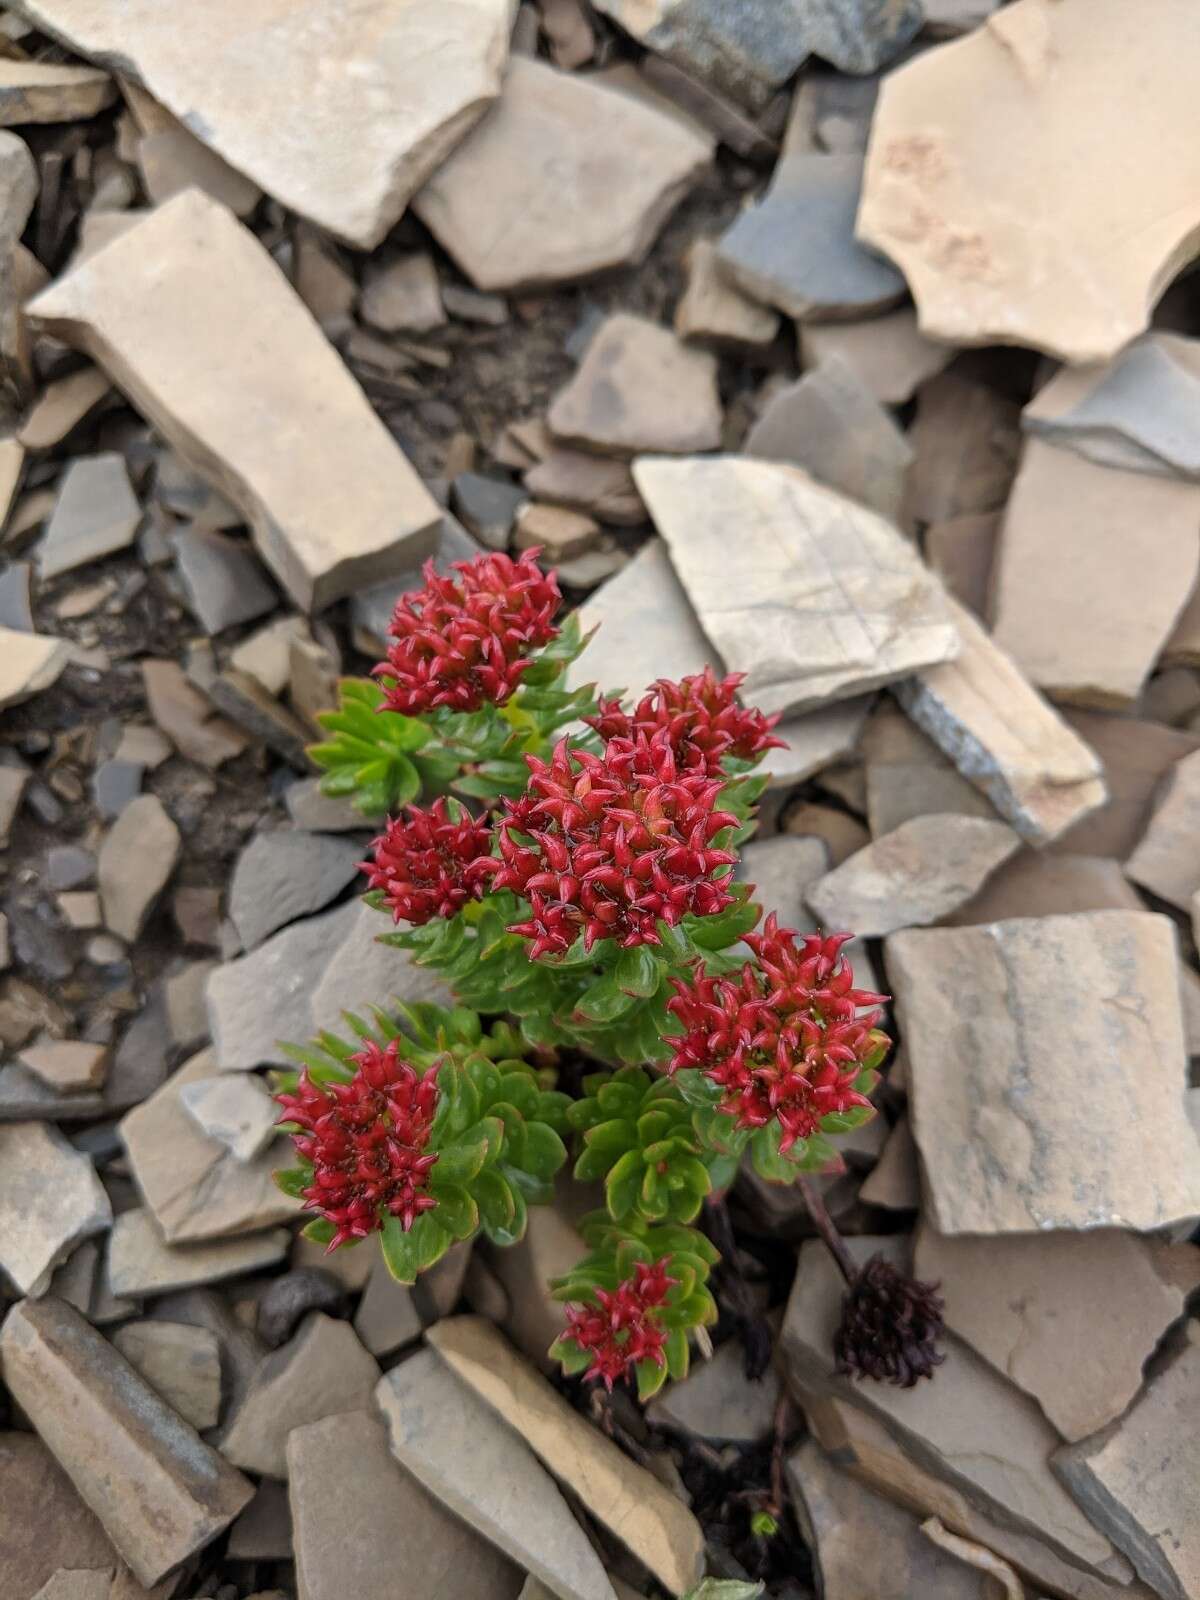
(969, 1427)
(321, 1371)
(339, 125)
(1183, 645)
(356, 963)
(29, 663)
(387, 1317)
(648, 1519)
(403, 295)
(1003, 737)
(717, 1401)
(180, 1363)
(645, 628)
(68, 1065)
(51, 91)
(1138, 1481)
(966, 438)
(1001, 245)
(962, 551)
(170, 158)
(561, 533)
(63, 405)
(841, 833)
(135, 862)
(187, 718)
(907, 775)
(235, 1110)
(50, 1199)
(531, 197)
(1039, 883)
(915, 875)
(712, 310)
(814, 741)
(1166, 860)
(1070, 1318)
(895, 1181)
(639, 388)
(1077, 539)
(550, 1248)
(199, 268)
(460, 1451)
(825, 599)
(1009, 1141)
(78, 1585)
(159, 1491)
(141, 1262)
(1137, 756)
(44, 1525)
(360, 1520)
(601, 486)
(890, 354)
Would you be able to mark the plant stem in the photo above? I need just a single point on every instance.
(824, 1225)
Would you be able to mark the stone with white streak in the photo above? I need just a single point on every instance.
(328, 519)
(817, 598)
(50, 1199)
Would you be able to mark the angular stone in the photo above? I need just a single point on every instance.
(814, 742)
(259, 999)
(183, 996)
(1039, 884)
(321, 813)
(1137, 1481)
(44, 1525)
(842, 834)
(711, 309)
(718, 1402)
(15, 610)
(1077, 540)
(1078, 278)
(233, 1109)
(967, 439)
(862, 36)
(95, 515)
(160, 1492)
(360, 1519)
(862, 1543)
(550, 1248)
(601, 486)
(263, 1532)
(141, 1263)
(1137, 756)
(187, 718)
(942, 1424)
(171, 158)
(359, 970)
(321, 539)
(180, 1363)
(890, 354)
(562, 534)
(242, 1351)
(341, 127)
(224, 583)
(136, 859)
(1071, 1318)
(1008, 1143)
(51, 91)
(487, 507)
(195, 1184)
(1003, 737)
(1165, 860)
(639, 388)
(648, 1519)
(244, 700)
(907, 775)
(80, 1585)
(783, 870)
(830, 424)
(926, 868)
(895, 1181)
(646, 628)
(67, 1065)
(796, 249)
(282, 876)
(387, 1316)
(323, 1370)
(531, 197)
(460, 1451)
(50, 1199)
(403, 295)
(961, 551)
(825, 599)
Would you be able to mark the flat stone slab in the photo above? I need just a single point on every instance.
(136, 860)
(1008, 1142)
(1037, 883)
(282, 876)
(796, 248)
(234, 1109)
(1166, 860)
(1071, 1318)
(1138, 757)
(29, 663)
(890, 354)
(1003, 737)
(460, 1451)
(646, 628)
(346, 510)
(224, 583)
(818, 600)
(160, 1492)
(718, 1402)
(95, 515)
(44, 1525)
(782, 871)
(52, 91)
(907, 775)
(531, 197)
(1138, 1481)
(631, 1503)
(712, 310)
(926, 868)
(1078, 275)
(141, 1263)
(360, 1519)
(50, 1199)
(341, 125)
(180, 1363)
(967, 439)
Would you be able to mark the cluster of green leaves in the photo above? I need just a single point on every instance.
(497, 1131)
(381, 760)
(614, 1251)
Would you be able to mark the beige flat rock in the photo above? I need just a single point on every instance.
(648, 1519)
(1076, 541)
(1137, 756)
(142, 1263)
(1003, 737)
(645, 628)
(51, 91)
(1166, 860)
(1034, 226)
(50, 1199)
(961, 551)
(821, 600)
(179, 1362)
(1037, 883)
(712, 310)
(895, 1182)
(341, 124)
(966, 439)
(345, 510)
(1009, 1143)
(29, 663)
(533, 197)
(907, 775)
(68, 1065)
(64, 404)
(890, 354)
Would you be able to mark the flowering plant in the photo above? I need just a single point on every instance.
(572, 881)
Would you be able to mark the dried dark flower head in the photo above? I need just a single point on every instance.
(890, 1326)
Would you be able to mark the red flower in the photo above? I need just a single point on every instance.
(783, 1038)
(366, 1141)
(621, 1328)
(700, 717)
(424, 866)
(462, 643)
(615, 842)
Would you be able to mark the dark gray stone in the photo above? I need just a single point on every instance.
(114, 785)
(95, 515)
(223, 579)
(15, 609)
(290, 1297)
(282, 876)
(487, 507)
(70, 866)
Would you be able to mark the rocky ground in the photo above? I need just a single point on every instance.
(808, 339)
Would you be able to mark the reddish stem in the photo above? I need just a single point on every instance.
(824, 1225)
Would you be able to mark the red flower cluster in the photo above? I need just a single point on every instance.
(783, 1038)
(366, 1140)
(424, 866)
(622, 1329)
(700, 717)
(461, 643)
(617, 842)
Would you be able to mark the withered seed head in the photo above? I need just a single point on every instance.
(890, 1326)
